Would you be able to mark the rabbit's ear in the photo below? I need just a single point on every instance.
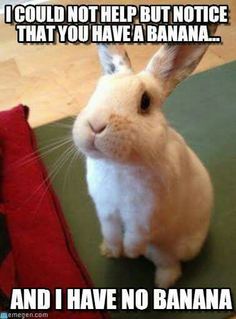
(173, 63)
(113, 58)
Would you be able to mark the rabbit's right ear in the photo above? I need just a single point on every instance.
(174, 62)
(113, 58)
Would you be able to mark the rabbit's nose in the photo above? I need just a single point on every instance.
(97, 128)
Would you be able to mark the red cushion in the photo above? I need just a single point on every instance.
(43, 252)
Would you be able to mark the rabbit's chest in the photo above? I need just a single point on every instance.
(126, 189)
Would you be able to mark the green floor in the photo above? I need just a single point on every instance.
(203, 109)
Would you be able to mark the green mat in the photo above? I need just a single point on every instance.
(203, 109)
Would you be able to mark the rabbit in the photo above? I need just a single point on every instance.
(152, 194)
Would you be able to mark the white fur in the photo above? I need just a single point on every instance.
(135, 211)
(153, 196)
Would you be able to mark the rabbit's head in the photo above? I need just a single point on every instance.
(123, 120)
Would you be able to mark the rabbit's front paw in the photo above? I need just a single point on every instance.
(134, 249)
(110, 251)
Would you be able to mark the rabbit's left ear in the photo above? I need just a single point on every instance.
(173, 63)
(113, 58)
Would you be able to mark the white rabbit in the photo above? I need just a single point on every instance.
(153, 196)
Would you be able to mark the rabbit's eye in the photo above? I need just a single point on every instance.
(145, 103)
